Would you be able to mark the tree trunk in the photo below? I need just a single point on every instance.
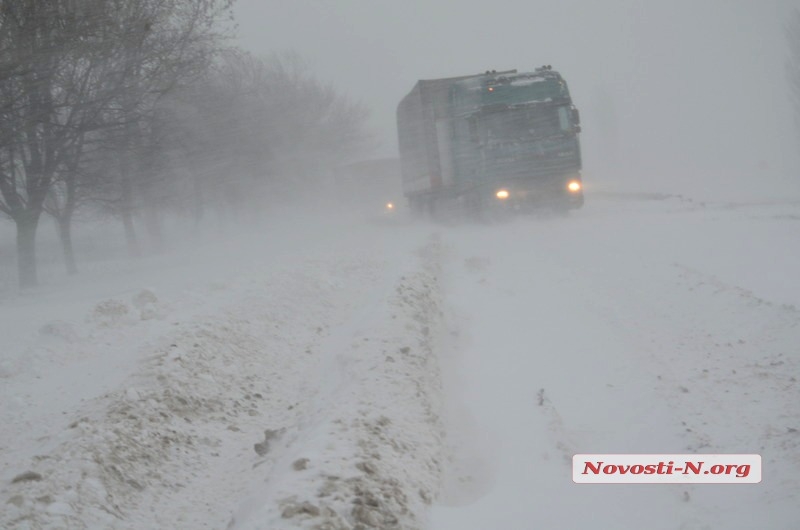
(65, 234)
(126, 192)
(65, 225)
(127, 218)
(198, 204)
(131, 241)
(26, 250)
(154, 228)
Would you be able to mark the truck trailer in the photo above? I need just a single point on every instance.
(491, 141)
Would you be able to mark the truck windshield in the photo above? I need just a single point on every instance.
(524, 124)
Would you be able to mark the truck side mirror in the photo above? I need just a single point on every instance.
(576, 117)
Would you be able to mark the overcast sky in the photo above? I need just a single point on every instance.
(684, 90)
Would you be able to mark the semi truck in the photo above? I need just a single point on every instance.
(491, 141)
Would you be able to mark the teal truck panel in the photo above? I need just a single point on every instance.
(466, 137)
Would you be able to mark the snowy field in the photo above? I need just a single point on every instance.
(395, 374)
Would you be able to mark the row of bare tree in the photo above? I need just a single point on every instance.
(134, 108)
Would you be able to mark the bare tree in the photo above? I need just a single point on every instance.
(107, 102)
(62, 201)
(49, 62)
(165, 44)
(269, 120)
(72, 68)
(313, 125)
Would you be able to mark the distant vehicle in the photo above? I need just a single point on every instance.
(369, 186)
(492, 140)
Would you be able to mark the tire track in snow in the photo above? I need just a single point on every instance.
(372, 457)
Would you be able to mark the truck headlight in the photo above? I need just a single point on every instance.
(502, 194)
(574, 186)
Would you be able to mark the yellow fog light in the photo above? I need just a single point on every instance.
(502, 194)
(574, 186)
(389, 206)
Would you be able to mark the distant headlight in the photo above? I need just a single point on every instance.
(574, 186)
(502, 194)
(390, 206)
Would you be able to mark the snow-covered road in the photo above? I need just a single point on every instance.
(614, 332)
(407, 375)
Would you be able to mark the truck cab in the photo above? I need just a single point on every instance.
(493, 140)
(515, 140)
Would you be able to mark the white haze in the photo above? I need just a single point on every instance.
(681, 96)
(301, 358)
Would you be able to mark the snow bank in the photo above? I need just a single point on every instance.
(309, 398)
